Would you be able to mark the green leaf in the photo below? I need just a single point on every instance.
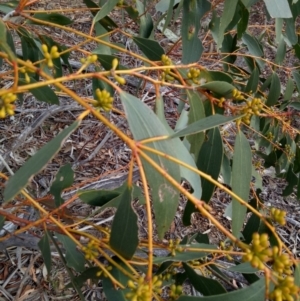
(243, 22)
(226, 18)
(146, 23)
(74, 258)
(210, 161)
(187, 255)
(150, 48)
(98, 197)
(220, 87)
(2, 220)
(204, 124)
(145, 124)
(124, 231)
(253, 81)
(241, 178)
(37, 162)
(111, 292)
(289, 89)
(254, 48)
(44, 245)
(205, 286)
(218, 76)
(290, 31)
(297, 274)
(182, 152)
(296, 77)
(245, 268)
(63, 180)
(44, 94)
(251, 227)
(105, 10)
(106, 61)
(52, 18)
(274, 92)
(8, 6)
(278, 8)
(254, 292)
(196, 113)
(106, 21)
(281, 51)
(192, 47)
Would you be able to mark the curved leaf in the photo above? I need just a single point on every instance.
(52, 18)
(152, 50)
(241, 178)
(145, 124)
(254, 292)
(36, 163)
(124, 230)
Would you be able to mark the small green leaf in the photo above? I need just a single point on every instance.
(296, 77)
(210, 161)
(106, 21)
(106, 61)
(245, 268)
(192, 47)
(63, 180)
(281, 51)
(98, 197)
(226, 18)
(2, 220)
(196, 113)
(105, 10)
(52, 18)
(251, 227)
(205, 286)
(241, 178)
(274, 92)
(253, 292)
(218, 76)
(150, 48)
(278, 8)
(124, 231)
(203, 125)
(187, 255)
(44, 245)
(146, 23)
(254, 48)
(74, 258)
(36, 163)
(253, 81)
(220, 87)
(8, 6)
(297, 274)
(289, 89)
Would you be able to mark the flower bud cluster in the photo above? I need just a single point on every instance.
(165, 75)
(175, 246)
(194, 74)
(25, 70)
(6, 105)
(282, 264)
(278, 216)
(104, 100)
(253, 107)
(49, 56)
(90, 250)
(259, 252)
(140, 290)
(176, 291)
(237, 95)
(285, 289)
